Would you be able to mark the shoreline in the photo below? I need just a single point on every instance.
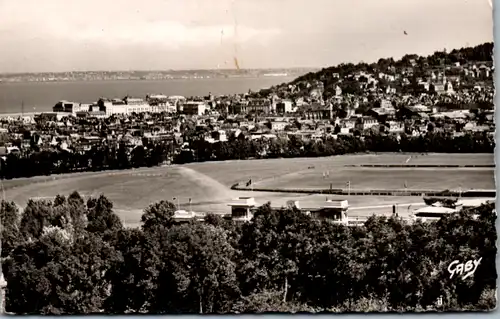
(19, 114)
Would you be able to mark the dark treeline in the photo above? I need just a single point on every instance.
(96, 159)
(100, 158)
(344, 144)
(72, 257)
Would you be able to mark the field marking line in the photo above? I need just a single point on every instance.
(385, 206)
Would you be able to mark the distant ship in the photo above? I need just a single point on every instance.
(275, 74)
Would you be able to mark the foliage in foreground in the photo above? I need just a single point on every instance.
(72, 257)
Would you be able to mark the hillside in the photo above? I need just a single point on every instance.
(412, 66)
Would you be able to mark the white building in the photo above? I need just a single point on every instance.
(366, 123)
(396, 127)
(278, 125)
(136, 105)
(161, 103)
(241, 209)
(112, 108)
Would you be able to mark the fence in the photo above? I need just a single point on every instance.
(381, 192)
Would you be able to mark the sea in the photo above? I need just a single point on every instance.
(42, 96)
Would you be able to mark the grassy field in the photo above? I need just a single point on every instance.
(132, 190)
(208, 183)
(381, 178)
(231, 172)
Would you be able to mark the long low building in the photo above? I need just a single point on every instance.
(109, 107)
(242, 210)
(437, 210)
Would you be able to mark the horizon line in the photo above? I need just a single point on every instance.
(166, 70)
(374, 61)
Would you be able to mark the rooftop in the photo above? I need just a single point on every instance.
(243, 201)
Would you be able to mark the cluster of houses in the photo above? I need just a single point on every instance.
(52, 131)
(300, 108)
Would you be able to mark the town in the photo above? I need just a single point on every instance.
(345, 109)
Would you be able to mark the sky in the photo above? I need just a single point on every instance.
(84, 35)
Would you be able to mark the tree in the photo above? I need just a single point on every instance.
(199, 274)
(269, 302)
(36, 216)
(10, 218)
(122, 157)
(158, 214)
(215, 220)
(100, 215)
(57, 274)
(138, 156)
(271, 247)
(134, 279)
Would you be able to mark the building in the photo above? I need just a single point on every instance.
(219, 136)
(348, 123)
(48, 117)
(183, 216)
(386, 104)
(278, 125)
(366, 122)
(382, 113)
(161, 103)
(176, 101)
(259, 106)
(136, 105)
(395, 127)
(194, 108)
(66, 106)
(85, 107)
(285, 106)
(331, 210)
(238, 107)
(438, 88)
(415, 111)
(436, 211)
(97, 114)
(318, 112)
(112, 107)
(133, 101)
(338, 91)
(242, 209)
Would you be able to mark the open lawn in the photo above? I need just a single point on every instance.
(132, 190)
(383, 178)
(208, 183)
(231, 172)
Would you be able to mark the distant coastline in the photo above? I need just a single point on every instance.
(16, 115)
(150, 75)
(39, 97)
(145, 80)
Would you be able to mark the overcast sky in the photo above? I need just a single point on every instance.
(67, 35)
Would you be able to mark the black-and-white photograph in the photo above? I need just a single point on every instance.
(247, 156)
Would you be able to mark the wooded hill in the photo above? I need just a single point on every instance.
(420, 66)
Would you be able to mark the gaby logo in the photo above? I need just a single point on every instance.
(466, 269)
